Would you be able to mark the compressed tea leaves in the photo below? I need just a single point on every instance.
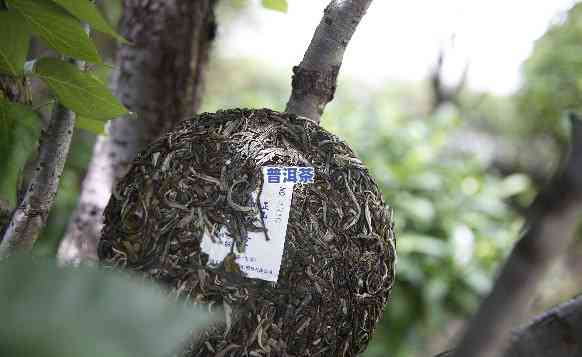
(203, 178)
(199, 179)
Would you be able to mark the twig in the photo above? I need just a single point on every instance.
(442, 93)
(30, 216)
(552, 220)
(314, 80)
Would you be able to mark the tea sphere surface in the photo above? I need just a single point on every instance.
(198, 185)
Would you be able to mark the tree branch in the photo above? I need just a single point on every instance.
(552, 220)
(442, 94)
(158, 76)
(29, 218)
(554, 333)
(314, 80)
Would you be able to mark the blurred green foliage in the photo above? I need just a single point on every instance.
(49, 311)
(277, 5)
(17, 140)
(551, 85)
(454, 227)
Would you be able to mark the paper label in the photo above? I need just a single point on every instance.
(263, 252)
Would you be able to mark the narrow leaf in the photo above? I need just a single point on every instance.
(70, 312)
(79, 91)
(92, 125)
(14, 42)
(87, 11)
(59, 29)
(277, 5)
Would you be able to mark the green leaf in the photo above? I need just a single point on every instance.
(71, 312)
(277, 5)
(79, 91)
(87, 11)
(14, 42)
(422, 244)
(19, 130)
(92, 125)
(59, 29)
(16, 113)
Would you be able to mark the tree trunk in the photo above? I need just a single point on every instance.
(159, 77)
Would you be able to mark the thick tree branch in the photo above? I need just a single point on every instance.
(552, 220)
(314, 80)
(555, 333)
(158, 76)
(29, 218)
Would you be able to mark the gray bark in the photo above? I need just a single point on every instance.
(159, 77)
(556, 333)
(29, 218)
(314, 80)
(552, 220)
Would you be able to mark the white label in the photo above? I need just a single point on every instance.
(263, 252)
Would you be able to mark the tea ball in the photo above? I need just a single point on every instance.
(267, 218)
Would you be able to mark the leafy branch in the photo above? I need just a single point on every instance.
(59, 24)
(80, 97)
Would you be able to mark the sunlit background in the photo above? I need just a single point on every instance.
(399, 40)
(458, 173)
